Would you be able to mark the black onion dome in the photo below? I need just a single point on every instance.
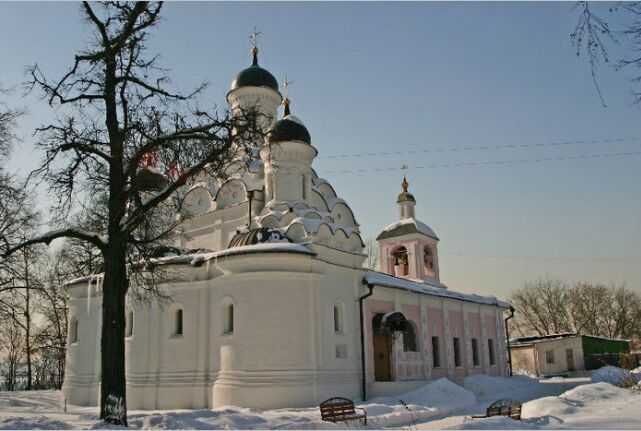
(257, 236)
(149, 180)
(255, 76)
(290, 128)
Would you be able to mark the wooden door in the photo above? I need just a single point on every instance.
(569, 355)
(382, 360)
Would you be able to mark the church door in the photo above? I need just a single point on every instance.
(382, 353)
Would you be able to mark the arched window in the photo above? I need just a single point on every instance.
(228, 319)
(338, 318)
(428, 261)
(399, 257)
(178, 322)
(304, 187)
(129, 324)
(73, 330)
(409, 338)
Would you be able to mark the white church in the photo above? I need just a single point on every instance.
(272, 307)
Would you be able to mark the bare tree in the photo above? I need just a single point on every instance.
(546, 307)
(371, 250)
(541, 309)
(127, 140)
(594, 37)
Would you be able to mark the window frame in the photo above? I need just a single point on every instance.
(436, 352)
(179, 322)
(490, 348)
(456, 347)
(476, 358)
(410, 341)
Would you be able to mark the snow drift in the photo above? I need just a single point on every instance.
(434, 399)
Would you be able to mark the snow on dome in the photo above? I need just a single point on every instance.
(293, 118)
(407, 226)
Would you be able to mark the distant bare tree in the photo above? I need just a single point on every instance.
(130, 143)
(594, 37)
(373, 258)
(540, 307)
(547, 306)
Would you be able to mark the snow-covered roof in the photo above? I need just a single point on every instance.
(406, 226)
(196, 259)
(434, 289)
(528, 341)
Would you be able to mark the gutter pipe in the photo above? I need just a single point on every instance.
(507, 334)
(360, 309)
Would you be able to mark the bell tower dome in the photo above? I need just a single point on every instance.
(408, 248)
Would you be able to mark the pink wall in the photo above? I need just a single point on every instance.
(474, 327)
(490, 330)
(436, 328)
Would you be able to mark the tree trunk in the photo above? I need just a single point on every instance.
(27, 315)
(113, 400)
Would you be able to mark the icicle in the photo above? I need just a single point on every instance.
(89, 295)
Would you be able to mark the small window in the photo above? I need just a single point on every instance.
(228, 322)
(409, 338)
(457, 352)
(475, 352)
(436, 353)
(304, 187)
(341, 351)
(73, 331)
(490, 348)
(129, 324)
(549, 356)
(338, 319)
(178, 322)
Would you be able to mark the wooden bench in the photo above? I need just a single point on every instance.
(504, 407)
(341, 410)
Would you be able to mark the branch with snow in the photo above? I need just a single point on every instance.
(72, 232)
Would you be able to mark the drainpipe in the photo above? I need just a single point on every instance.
(360, 308)
(250, 196)
(507, 334)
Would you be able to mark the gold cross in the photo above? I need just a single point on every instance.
(286, 85)
(254, 37)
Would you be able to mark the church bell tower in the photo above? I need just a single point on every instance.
(408, 248)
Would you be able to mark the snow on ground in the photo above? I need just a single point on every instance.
(564, 403)
(435, 399)
(617, 376)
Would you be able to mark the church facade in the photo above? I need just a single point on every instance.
(270, 304)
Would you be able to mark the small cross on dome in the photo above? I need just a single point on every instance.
(286, 100)
(254, 38)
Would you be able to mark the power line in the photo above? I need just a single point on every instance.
(482, 148)
(536, 258)
(488, 163)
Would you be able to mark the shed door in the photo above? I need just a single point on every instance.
(382, 363)
(569, 355)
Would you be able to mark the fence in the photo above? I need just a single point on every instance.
(592, 362)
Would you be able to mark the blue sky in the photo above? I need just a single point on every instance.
(381, 77)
